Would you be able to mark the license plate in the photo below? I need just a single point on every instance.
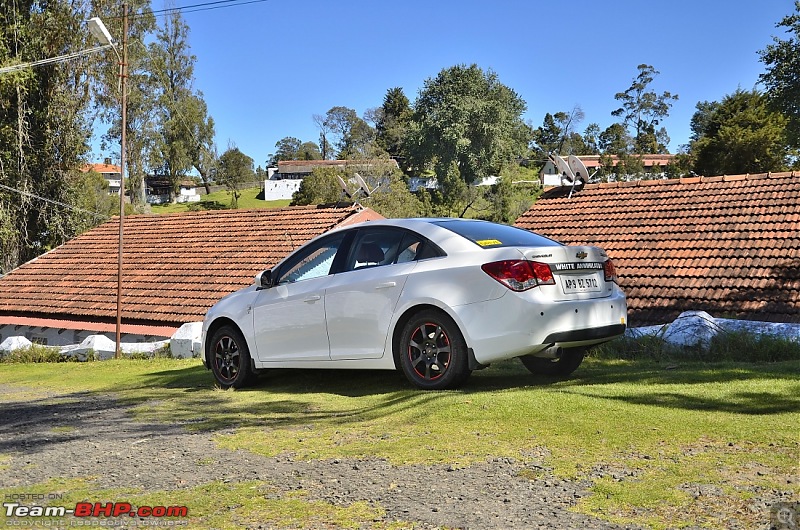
(581, 284)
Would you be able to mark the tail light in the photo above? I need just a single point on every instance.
(610, 271)
(520, 275)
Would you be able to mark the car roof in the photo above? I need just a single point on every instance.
(425, 226)
(444, 232)
(411, 222)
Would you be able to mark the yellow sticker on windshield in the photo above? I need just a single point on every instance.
(488, 242)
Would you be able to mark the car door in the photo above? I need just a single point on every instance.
(289, 317)
(360, 301)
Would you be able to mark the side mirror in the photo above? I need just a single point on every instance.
(264, 279)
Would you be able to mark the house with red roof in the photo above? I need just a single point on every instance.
(175, 267)
(726, 245)
(109, 171)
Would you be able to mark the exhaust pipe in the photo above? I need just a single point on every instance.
(553, 352)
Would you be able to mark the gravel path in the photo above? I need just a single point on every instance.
(80, 435)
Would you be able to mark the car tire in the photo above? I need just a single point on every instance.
(433, 353)
(229, 358)
(569, 361)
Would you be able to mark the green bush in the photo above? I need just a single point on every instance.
(736, 346)
(162, 353)
(35, 353)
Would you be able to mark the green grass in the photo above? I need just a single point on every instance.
(222, 200)
(644, 432)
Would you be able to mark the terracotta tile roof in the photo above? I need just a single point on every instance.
(593, 161)
(307, 166)
(727, 245)
(174, 266)
(312, 163)
(101, 168)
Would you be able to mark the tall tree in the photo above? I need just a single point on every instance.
(392, 121)
(234, 170)
(324, 136)
(557, 134)
(466, 125)
(743, 134)
(643, 110)
(285, 149)
(43, 129)
(141, 109)
(354, 138)
(309, 151)
(547, 137)
(614, 140)
(591, 139)
(203, 150)
(782, 78)
(701, 119)
(183, 128)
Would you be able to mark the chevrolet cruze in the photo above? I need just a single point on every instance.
(435, 298)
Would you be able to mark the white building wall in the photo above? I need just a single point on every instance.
(277, 190)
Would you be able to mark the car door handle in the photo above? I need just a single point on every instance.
(386, 285)
(312, 298)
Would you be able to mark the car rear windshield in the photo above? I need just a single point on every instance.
(491, 235)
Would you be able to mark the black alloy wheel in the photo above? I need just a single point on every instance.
(433, 354)
(229, 358)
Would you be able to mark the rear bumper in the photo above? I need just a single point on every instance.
(527, 323)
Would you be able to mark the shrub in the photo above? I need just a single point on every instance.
(751, 347)
(163, 352)
(736, 346)
(35, 353)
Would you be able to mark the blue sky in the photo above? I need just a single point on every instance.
(266, 68)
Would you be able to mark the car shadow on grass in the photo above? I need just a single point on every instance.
(170, 400)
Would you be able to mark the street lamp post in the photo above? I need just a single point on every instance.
(100, 32)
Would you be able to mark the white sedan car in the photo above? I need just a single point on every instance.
(435, 298)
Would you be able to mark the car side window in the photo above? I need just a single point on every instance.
(312, 262)
(375, 247)
(410, 248)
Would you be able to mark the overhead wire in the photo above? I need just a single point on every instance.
(63, 204)
(205, 6)
(194, 8)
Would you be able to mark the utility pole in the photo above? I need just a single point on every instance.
(124, 87)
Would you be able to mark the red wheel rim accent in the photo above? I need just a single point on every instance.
(429, 351)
